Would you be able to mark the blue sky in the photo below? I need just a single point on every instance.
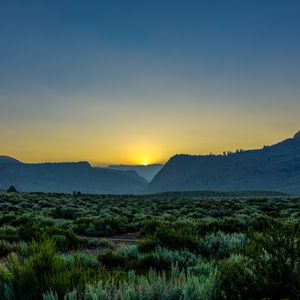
(126, 81)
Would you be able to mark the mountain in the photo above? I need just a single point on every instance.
(148, 172)
(273, 168)
(297, 135)
(67, 177)
(8, 160)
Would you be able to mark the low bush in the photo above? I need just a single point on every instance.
(172, 236)
(96, 226)
(60, 241)
(112, 260)
(43, 270)
(275, 257)
(220, 245)
(194, 246)
(9, 247)
(9, 233)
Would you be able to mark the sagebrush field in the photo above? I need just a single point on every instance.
(166, 246)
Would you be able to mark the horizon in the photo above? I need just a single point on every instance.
(293, 136)
(114, 82)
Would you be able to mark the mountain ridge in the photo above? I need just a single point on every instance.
(4, 159)
(67, 177)
(272, 168)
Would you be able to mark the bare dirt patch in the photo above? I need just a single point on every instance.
(123, 239)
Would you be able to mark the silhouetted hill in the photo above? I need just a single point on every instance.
(148, 172)
(68, 177)
(8, 160)
(273, 168)
(297, 135)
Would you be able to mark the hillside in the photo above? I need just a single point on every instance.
(8, 160)
(272, 168)
(67, 177)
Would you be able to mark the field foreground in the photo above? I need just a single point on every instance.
(167, 246)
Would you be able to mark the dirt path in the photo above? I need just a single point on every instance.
(122, 239)
(116, 241)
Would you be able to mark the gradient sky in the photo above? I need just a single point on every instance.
(125, 81)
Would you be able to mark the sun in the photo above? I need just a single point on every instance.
(145, 163)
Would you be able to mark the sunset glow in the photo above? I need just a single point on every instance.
(138, 86)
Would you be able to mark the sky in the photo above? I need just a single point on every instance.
(137, 81)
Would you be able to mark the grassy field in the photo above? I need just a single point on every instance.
(167, 246)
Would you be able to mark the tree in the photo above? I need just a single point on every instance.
(12, 189)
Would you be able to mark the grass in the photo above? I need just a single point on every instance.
(188, 246)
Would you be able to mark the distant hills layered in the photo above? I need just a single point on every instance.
(67, 177)
(148, 171)
(273, 168)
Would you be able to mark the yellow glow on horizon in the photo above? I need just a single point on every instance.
(147, 152)
(105, 136)
(145, 162)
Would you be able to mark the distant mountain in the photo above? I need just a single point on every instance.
(8, 160)
(273, 168)
(67, 177)
(148, 172)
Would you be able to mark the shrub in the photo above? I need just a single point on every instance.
(9, 233)
(60, 241)
(61, 212)
(173, 236)
(237, 279)
(44, 271)
(147, 245)
(7, 247)
(270, 269)
(130, 252)
(192, 247)
(156, 286)
(30, 231)
(222, 245)
(83, 260)
(67, 238)
(105, 226)
(112, 260)
(275, 257)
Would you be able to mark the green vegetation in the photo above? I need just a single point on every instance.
(167, 246)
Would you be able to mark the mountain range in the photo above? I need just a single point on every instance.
(273, 168)
(68, 177)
